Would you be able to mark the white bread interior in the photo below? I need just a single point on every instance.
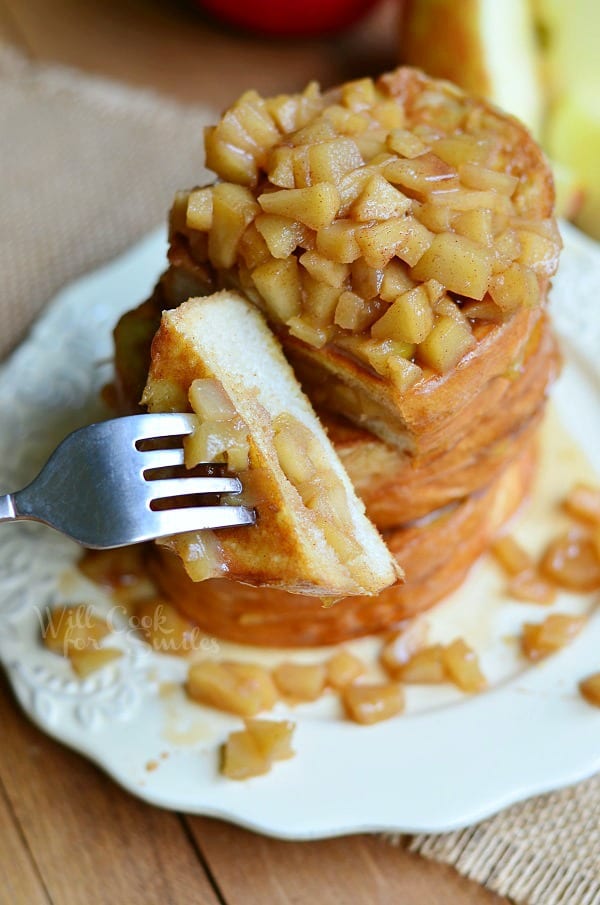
(223, 336)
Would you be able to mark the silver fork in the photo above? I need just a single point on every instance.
(95, 486)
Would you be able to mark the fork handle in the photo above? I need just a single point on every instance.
(7, 508)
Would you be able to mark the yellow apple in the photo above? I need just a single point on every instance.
(536, 59)
(485, 46)
(573, 139)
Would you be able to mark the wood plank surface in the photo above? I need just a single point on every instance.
(351, 870)
(8, 28)
(68, 835)
(20, 880)
(93, 843)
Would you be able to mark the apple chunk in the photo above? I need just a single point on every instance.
(460, 264)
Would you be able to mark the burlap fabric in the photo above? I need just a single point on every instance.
(88, 167)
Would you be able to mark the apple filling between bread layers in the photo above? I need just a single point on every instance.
(385, 220)
(222, 436)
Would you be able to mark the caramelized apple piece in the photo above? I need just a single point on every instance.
(315, 206)
(515, 287)
(343, 668)
(590, 689)
(164, 628)
(355, 313)
(435, 217)
(573, 561)
(312, 334)
(199, 214)
(368, 704)
(408, 319)
(338, 242)
(539, 640)
(421, 174)
(74, 627)
(396, 280)
(301, 681)
(403, 373)
(485, 310)
(210, 401)
(446, 344)
(242, 757)
(278, 282)
(230, 163)
(85, 662)
(252, 248)
(330, 160)
(511, 555)
(322, 269)
(463, 668)
(475, 225)
(220, 441)
(583, 502)
(478, 177)
(457, 150)
(273, 737)
(426, 667)
(379, 201)
(242, 688)
(532, 588)
(366, 281)
(401, 236)
(280, 168)
(234, 207)
(538, 253)
(463, 266)
(405, 143)
(282, 235)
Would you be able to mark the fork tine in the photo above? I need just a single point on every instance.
(161, 424)
(176, 521)
(162, 458)
(184, 486)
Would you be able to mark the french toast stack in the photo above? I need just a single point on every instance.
(398, 237)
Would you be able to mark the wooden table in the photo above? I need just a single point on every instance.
(67, 833)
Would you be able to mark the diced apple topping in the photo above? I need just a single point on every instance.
(573, 561)
(590, 689)
(320, 488)
(409, 318)
(245, 689)
(462, 665)
(511, 555)
(583, 502)
(300, 681)
(539, 640)
(273, 737)
(426, 667)
(315, 205)
(242, 757)
(460, 264)
(164, 628)
(343, 668)
(330, 205)
(368, 704)
(74, 627)
(532, 588)
(220, 435)
(446, 344)
(85, 662)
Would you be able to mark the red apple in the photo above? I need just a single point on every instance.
(288, 18)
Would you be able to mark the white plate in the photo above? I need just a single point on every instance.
(448, 762)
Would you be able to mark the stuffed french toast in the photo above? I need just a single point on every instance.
(398, 237)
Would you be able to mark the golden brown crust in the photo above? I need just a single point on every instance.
(397, 488)
(437, 554)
